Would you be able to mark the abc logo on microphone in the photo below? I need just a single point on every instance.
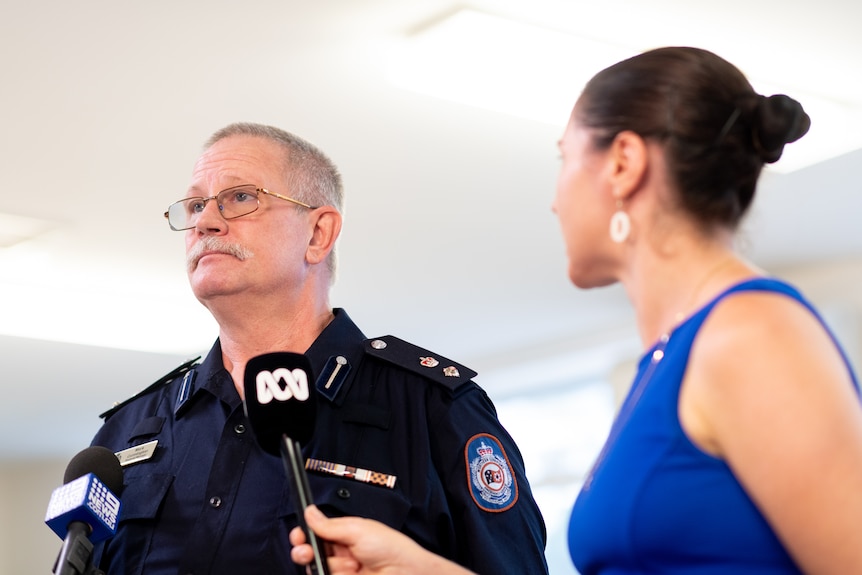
(268, 385)
(280, 398)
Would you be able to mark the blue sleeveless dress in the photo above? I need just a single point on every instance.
(656, 503)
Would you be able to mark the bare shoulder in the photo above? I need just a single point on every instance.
(752, 332)
(757, 351)
(767, 391)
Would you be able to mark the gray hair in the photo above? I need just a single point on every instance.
(309, 174)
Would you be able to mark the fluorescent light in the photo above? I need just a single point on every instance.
(45, 297)
(535, 73)
(15, 229)
(502, 65)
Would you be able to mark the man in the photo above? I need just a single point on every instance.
(262, 216)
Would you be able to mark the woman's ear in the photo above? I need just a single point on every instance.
(327, 227)
(629, 157)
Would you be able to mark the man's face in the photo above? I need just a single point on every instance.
(260, 253)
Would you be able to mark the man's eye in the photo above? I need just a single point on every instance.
(239, 197)
(196, 207)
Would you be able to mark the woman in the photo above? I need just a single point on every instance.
(739, 446)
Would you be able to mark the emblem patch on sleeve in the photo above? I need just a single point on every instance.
(490, 477)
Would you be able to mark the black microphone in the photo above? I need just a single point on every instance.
(281, 406)
(280, 398)
(85, 509)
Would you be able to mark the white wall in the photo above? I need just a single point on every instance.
(27, 545)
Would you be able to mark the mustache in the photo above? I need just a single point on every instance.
(210, 244)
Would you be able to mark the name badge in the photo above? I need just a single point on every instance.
(137, 453)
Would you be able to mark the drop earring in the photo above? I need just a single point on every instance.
(621, 224)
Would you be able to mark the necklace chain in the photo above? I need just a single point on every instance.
(640, 384)
(695, 293)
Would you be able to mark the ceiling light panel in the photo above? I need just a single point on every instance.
(532, 72)
(15, 229)
(500, 64)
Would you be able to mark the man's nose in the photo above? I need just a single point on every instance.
(210, 219)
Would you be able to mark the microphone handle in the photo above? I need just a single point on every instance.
(294, 466)
(77, 549)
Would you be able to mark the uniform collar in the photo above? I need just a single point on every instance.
(341, 342)
(212, 377)
(341, 338)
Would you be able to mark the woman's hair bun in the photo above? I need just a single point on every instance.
(778, 120)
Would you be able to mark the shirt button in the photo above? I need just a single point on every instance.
(239, 428)
(215, 502)
(343, 493)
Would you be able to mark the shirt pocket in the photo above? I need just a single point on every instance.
(336, 496)
(140, 502)
(143, 495)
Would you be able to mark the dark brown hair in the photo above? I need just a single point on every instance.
(717, 132)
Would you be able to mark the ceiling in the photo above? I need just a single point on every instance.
(449, 239)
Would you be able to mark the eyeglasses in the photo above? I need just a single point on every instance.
(232, 203)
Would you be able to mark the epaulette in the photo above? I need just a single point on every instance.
(435, 367)
(153, 387)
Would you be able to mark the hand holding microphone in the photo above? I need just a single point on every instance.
(281, 406)
(85, 509)
(369, 547)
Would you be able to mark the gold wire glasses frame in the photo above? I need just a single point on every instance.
(232, 203)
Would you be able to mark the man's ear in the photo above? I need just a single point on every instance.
(327, 227)
(629, 158)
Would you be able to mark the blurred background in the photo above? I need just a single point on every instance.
(443, 117)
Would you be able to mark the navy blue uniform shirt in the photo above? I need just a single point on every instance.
(402, 436)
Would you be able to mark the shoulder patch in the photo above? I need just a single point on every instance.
(168, 377)
(435, 367)
(489, 475)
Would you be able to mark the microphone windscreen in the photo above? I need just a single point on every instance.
(101, 462)
(89, 494)
(280, 398)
